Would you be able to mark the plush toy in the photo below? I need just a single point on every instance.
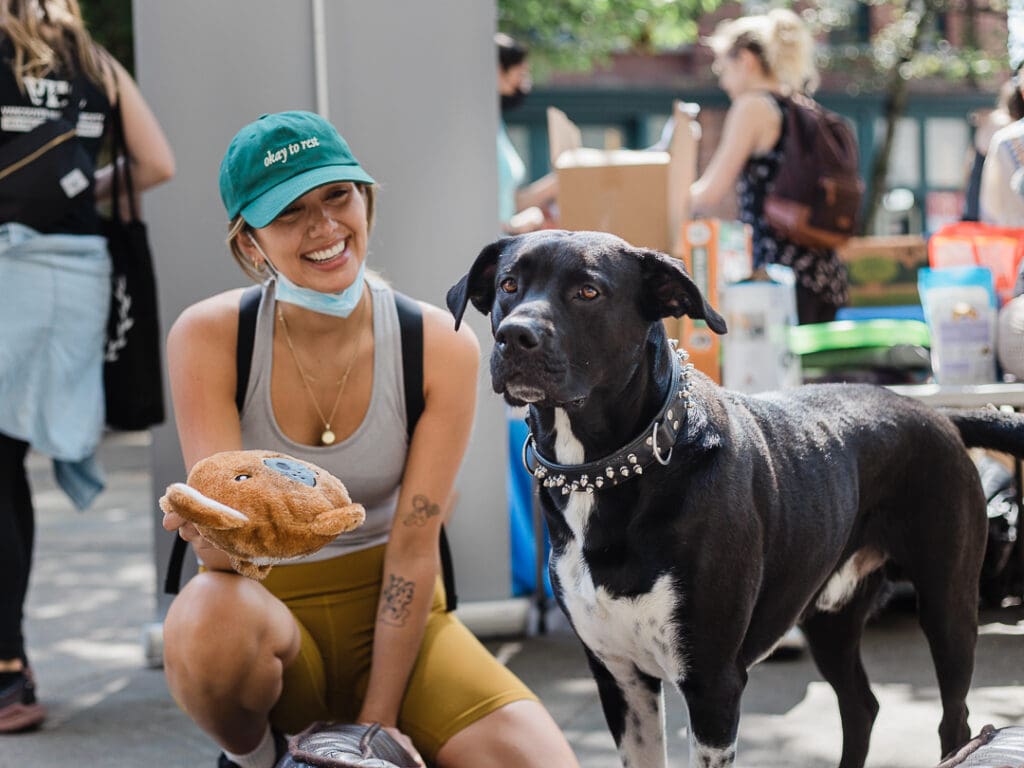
(262, 507)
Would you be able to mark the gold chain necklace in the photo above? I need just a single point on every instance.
(327, 437)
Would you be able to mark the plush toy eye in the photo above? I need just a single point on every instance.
(240, 478)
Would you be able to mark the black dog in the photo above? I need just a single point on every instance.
(691, 526)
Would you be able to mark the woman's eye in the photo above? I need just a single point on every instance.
(242, 478)
(339, 193)
(509, 285)
(588, 293)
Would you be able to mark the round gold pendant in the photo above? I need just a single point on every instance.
(327, 437)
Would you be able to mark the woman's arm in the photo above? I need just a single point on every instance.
(151, 156)
(201, 350)
(752, 126)
(450, 362)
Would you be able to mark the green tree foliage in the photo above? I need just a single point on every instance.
(576, 34)
(110, 23)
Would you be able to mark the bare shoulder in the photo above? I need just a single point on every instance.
(443, 344)
(756, 106)
(210, 324)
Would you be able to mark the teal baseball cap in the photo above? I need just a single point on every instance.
(280, 157)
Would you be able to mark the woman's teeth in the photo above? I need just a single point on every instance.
(327, 253)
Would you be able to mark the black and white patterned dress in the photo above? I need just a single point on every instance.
(817, 269)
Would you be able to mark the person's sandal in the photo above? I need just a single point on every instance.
(19, 710)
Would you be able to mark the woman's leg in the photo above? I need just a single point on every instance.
(227, 641)
(518, 735)
(17, 531)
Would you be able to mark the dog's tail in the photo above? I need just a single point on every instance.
(990, 428)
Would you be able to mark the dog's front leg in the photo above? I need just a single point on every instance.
(713, 700)
(634, 710)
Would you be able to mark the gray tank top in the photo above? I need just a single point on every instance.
(371, 460)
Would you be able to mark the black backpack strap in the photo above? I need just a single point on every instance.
(410, 324)
(248, 309)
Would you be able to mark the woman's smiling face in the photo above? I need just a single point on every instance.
(319, 240)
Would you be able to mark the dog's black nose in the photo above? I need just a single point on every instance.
(517, 335)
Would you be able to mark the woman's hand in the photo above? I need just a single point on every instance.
(403, 741)
(212, 557)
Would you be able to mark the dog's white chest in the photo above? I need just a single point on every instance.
(618, 630)
(622, 630)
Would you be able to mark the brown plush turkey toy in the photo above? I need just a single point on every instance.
(262, 507)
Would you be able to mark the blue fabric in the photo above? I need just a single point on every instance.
(53, 317)
(520, 511)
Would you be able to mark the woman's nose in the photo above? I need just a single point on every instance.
(323, 221)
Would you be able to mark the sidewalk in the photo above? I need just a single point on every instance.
(93, 592)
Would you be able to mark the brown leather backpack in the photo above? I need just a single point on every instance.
(814, 199)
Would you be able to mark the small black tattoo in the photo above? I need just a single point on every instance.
(422, 510)
(398, 593)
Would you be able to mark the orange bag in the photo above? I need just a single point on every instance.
(971, 243)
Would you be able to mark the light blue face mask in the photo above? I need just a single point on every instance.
(337, 304)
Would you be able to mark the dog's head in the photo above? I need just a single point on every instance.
(572, 311)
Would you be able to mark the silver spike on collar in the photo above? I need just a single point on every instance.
(655, 444)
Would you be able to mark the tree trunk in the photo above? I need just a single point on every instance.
(895, 106)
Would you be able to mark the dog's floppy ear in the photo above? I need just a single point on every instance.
(477, 285)
(669, 291)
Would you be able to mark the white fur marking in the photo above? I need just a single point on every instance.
(568, 450)
(711, 757)
(208, 502)
(843, 583)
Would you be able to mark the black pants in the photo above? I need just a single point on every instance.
(17, 531)
(811, 309)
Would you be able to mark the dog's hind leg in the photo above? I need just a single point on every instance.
(634, 710)
(834, 640)
(950, 622)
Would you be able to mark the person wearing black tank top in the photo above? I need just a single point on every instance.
(46, 57)
(359, 632)
(757, 60)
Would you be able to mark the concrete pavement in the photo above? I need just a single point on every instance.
(92, 594)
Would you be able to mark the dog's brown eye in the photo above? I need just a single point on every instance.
(588, 293)
(240, 478)
(509, 285)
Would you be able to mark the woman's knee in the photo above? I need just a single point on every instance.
(521, 735)
(224, 627)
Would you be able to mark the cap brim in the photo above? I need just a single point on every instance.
(265, 208)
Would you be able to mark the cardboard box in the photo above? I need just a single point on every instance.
(706, 247)
(883, 270)
(642, 196)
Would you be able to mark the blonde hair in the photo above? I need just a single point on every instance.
(238, 227)
(50, 36)
(780, 41)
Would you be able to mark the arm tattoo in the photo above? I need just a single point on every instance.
(394, 607)
(422, 510)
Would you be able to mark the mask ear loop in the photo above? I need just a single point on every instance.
(266, 260)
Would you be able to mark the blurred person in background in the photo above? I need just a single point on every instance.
(1001, 196)
(56, 289)
(520, 207)
(1008, 109)
(759, 60)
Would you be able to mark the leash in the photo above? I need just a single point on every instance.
(635, 457)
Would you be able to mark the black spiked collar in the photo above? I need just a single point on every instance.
(653, 445)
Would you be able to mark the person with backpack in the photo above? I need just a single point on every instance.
(59, 92)
(358, 632)
(765, 65)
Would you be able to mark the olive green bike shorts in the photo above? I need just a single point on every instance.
(455, 681)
